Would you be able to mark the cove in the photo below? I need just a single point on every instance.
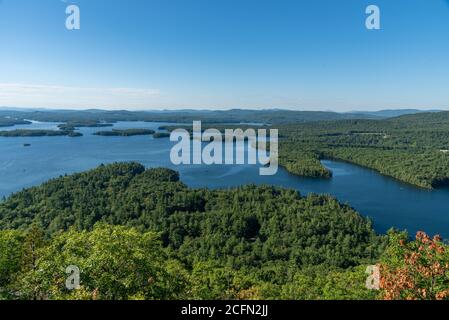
(386, 201)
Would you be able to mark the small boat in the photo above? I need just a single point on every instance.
(27, 145)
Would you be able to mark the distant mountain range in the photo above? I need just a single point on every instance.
(273, 116)
(390, 113)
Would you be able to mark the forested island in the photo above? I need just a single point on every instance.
(73, 125)
(159, 135)
(125, 132)
(39, 133)
(243, 243)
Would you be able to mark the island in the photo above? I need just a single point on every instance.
(38, 133)
(125, 132)
(72, 125)
(74, 134)
(158, 135)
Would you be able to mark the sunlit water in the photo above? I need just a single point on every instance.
(386, 201)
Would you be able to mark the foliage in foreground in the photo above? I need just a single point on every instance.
(122, 263)
(417, 270)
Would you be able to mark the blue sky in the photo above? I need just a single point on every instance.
(221, 54)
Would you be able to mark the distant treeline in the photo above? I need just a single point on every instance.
(72, 125)
(125, 132)
(186, 116)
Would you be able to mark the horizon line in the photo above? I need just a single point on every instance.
(193, 109)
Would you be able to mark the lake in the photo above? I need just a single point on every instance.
(387, 202)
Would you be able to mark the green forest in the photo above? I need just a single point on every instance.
(139, 233)
(410, 148)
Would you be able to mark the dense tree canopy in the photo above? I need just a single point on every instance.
(142, 234)
(412, 148)
(245, 242)
(125, 132)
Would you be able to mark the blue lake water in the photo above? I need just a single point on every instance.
(387, 202)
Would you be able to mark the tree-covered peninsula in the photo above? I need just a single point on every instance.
(159, 135)
(9, 122)
(410, 148)
(73, 125)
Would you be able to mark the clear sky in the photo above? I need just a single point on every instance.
(221, 54)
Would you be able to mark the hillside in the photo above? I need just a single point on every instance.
(410, 148)
(249, 225)
(390, 113)
(8, 121)
(249, 230)
(142, 234)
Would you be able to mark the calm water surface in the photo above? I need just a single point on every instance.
(387, 202)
